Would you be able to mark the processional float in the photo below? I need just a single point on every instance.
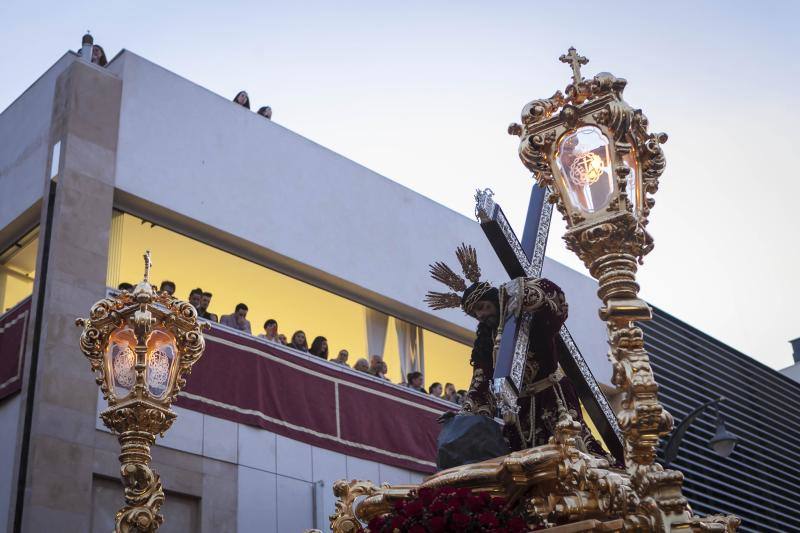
(593, 158)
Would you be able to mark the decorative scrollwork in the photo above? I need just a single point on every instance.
(343, 519)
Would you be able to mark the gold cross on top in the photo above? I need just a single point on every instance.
(575, 61)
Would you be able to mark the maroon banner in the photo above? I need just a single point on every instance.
(13, 328)
(252, 381)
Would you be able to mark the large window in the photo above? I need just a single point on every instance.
(268, 294)
(17, 270)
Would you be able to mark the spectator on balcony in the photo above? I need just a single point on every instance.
(375, 364)
(265, 112)
(237, 319)
(242, 99)
(435, 389)
(282, 339)
(383, 369)
(203, 312)
(168, 287)
(271, 331)
(341, 358)
(124, 286)
(362, 365)
(461, 395)
(319, 347)
(196, 299)
(299, 341)
(414, 380)
(450, 393)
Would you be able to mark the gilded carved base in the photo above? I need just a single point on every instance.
(559, 488)
(136, 423)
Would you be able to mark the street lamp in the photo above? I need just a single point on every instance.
(140, 345)
(723, 442)
(593, 152)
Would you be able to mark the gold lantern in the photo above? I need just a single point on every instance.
(594, 153)
(140, 345)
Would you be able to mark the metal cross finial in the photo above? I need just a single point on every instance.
(147, 264)
(575, 61)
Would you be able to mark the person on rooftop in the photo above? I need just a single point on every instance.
(299, 341)
(362, 365)
(435, 389)
(237, 319)
(319, 347)
(266, 112)
(242, 99)
(99, 56)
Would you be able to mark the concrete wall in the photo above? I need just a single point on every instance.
(25, 134)
(9, 419)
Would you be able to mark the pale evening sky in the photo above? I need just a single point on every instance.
(422, 92)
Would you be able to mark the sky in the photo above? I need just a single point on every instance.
(422, 92)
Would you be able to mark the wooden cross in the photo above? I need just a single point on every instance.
(527, 259)
(575, 61)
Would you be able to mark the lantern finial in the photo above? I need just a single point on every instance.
(147, 264)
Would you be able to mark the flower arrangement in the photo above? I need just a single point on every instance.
(449, 509)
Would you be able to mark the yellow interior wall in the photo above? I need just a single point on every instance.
(13, 289)
(268, 294)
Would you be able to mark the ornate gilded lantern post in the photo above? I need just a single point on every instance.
(594, 153)
(140, 345)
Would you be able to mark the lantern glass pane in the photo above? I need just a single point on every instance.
(634, 182)
(584, 164)
(121, 360)
(161, 355)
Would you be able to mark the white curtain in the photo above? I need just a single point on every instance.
(411, 348)
(377, 323)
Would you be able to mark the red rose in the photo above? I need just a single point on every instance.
(377, 523)
(459, 519)
(438, 506)
(427, 496)
(475, 504)
(447, 490)
(399, 504)
(417, 529)
(487, 518)
(437, 524)
(397, 522)
(414, 508)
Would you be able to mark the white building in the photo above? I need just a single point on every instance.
(99, 164)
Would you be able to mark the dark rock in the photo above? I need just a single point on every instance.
(468, 438)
